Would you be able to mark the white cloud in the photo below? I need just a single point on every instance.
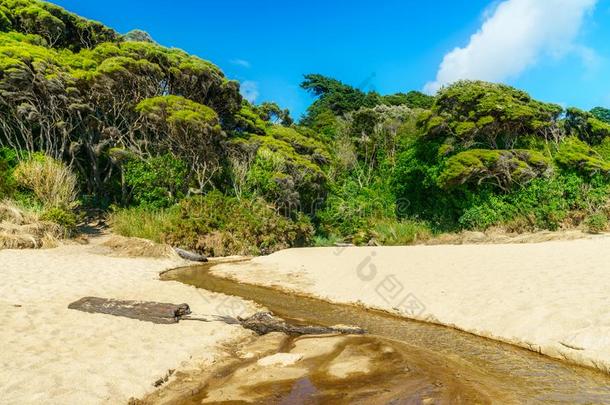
(514, 34)
(241, 62)
(249, 90)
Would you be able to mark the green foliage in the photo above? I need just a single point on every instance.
(65, 218)
(156, 182)
(500, 168)
(267, 178)
(5, 22)
(412, 99)
(596, 223)
(286, 167)
(8, 162)
(82, 104)
(138, 36)
(542, 204)
(248, 120)
(492, 115)
(58, 27)
(189, 131)
(351, 207)
(216, 225)
(602, 114)
(335, 97)
(326, 241)
(400, 233)
(574, 154)
(586, 126)
(179, 111)
(274, 113)
(144, 222)
(302, 144)
(453, 185)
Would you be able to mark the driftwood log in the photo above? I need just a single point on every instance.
(265, 322)
(190, 256)
(262, 322)
(144, 311)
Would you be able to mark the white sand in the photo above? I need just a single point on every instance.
(54, 355)
(551, 297)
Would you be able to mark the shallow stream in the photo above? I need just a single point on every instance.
(450, 363)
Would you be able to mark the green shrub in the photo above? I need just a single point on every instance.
(596, 223)
(574, 154)
(287, 167)
(144, 222)
(216, 225)
(8, 162)
(62, 217)
(157, 182)
(542, 204)
(326, 240)
(351, 207)
(500, 168)
(400, 233)
(482, 112)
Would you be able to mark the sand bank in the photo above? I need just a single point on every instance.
(550, 297)
(58, 356)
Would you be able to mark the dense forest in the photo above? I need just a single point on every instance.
(164, 144)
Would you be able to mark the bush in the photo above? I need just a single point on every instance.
(574, 154)
(8, 161)
(144, 222)
(500, 168)
(351, 208)
(62, 217)
(23, 227)
(542, 204)
(596, 223)
(51, 181)
(326, 241)
(157, 182)
(400, 233)
(216, 225)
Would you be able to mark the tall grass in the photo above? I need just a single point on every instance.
(399, 233)
(215, 225)
(139, 222)
(23, 228)
(51, 181)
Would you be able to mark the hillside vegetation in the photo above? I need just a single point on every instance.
(165, 143)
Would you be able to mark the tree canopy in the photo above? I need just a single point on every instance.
(147, 127)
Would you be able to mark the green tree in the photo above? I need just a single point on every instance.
(602, 114)
(188, 130)
(334, 96)
(138, 36)
(587, 126)
(412, 99)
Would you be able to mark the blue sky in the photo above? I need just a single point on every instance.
(558, 50)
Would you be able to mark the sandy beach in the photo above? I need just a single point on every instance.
(54, 355)
(549, 297)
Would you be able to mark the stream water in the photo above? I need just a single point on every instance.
(455, 364)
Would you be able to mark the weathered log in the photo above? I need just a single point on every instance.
(190, 256)
(262, 322)
(144, 311)
(265, 322)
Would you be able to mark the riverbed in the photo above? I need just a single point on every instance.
(427, 362)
